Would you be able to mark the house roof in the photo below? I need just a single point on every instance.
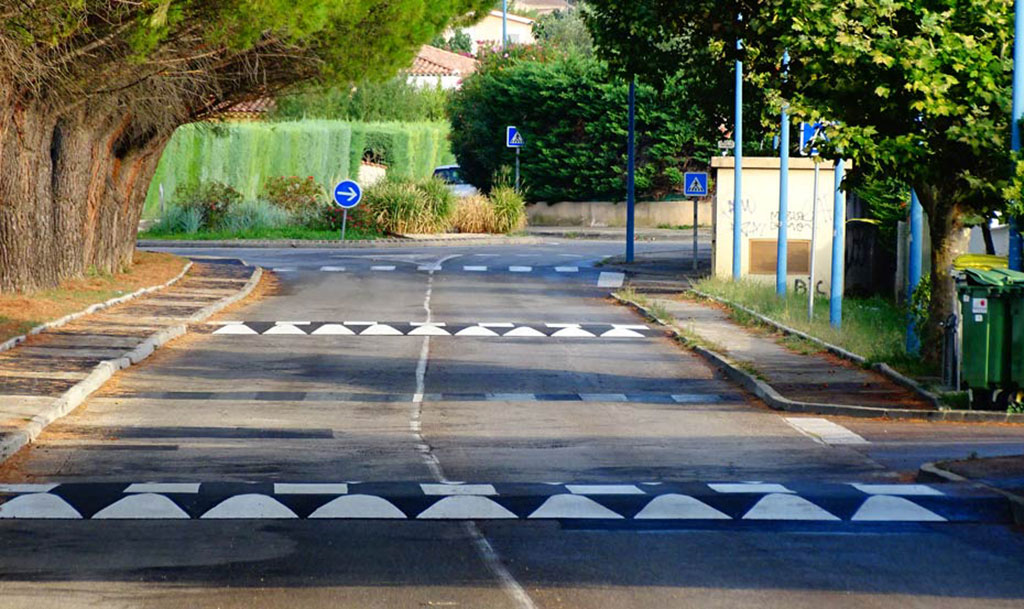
(544, 6)
(432, 61)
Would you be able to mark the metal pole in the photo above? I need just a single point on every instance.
(695, 234)
(344, 222)
(504, 24)
(914, 272)
(161, 199)
(737, 189)
(630, 171)
(811, 286)
(783, 247)
(835, 301)
(517, 169)
(1015, 262)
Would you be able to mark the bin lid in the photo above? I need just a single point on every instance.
(979, 261)
(995, 277)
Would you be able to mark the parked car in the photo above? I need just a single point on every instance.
(452, 176)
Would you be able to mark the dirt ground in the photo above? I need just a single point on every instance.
(20, 312)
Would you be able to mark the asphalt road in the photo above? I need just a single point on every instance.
(297, 407)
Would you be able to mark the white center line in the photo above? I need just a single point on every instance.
(567, 269)
(520, 269)
(332, 269)
(382, 268)
(475, 269)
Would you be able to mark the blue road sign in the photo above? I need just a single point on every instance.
(347, 194)
(695, 184)
(809, 134)
(513, 139)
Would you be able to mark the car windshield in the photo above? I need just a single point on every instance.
(449, 174)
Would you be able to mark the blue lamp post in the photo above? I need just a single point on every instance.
(1018, 113)
(783, 247)
(737, 190)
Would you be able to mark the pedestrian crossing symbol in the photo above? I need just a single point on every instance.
(695, 184)
(513, 139)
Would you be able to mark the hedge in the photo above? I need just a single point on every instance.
(245, 154)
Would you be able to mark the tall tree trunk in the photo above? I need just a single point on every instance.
(71, 192)
(950, 238)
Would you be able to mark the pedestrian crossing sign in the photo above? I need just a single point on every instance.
(513, 139)
(695, 184)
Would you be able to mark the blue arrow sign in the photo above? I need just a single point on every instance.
(809, 134)
(695, 184)
(513, 139)
(347, 194)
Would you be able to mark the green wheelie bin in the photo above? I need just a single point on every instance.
(992, 308)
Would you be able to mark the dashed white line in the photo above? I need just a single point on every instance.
(520, 269)
(382, 268)
(474, 269)
(567, 269)
(333, 269)
(824, 431)
(285, 269)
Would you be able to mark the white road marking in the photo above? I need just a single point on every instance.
(787, 507)
(251, 505)
(886, 508)
(520, 269)
(906, 490)
(604, 489)
(511, 397)
(496, 324)
(285, 269)
(285, 488)
(572, 333)
(474, 269)
(429, 267)
(631, 326)
(571, 255)
(679, 507)
(27, 488)
(824, 431)
(383, 267)
(284, 329)
(573, 506)
(748, 487)
(381, 330)
(621, 333)
(567, 269)
(466, 507)
(143, 506)
(525, 331)
(458, 489)
(610, 280)
(429, 330)
(604, 397)
(164, 487)
(358, 506)
(333, 329)
(39, 505)
(476, 331)
(235, 329)
(695, 398)
(333, 269)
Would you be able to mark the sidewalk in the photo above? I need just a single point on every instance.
(51, 373)
(817, 378)
(1004, 475)
(618, 233)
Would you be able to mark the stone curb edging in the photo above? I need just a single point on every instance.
(775, 400)
(14, 342)
(363, 244)
(883, 368)
(12, 442)
(931, 472)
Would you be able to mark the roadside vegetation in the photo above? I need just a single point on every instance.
(873, 328)
(21, 312)
(293, 207)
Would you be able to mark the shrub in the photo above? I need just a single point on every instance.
(396, 206)
(255, 215)
(473, 215)
(329, 217)
(211, 199)
(509, 209)
(177, 219)
(293, 193)
(439, 199)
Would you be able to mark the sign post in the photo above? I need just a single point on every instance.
(347, 195)
(695, 186)
(514, 139)
(809, 134)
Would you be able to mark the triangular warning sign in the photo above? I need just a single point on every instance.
(696, 186)
(517, 139)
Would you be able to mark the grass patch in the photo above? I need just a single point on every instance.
(21, 312)
(676, 226)
(873, 328)
(266, 234)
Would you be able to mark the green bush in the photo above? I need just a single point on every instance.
(177, 219)
(256, 215)
(213, 200)
(438, 198)
(509, 209)
(293, 193)
(573, 116)
(397, 206)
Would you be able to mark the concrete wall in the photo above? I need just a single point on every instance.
(648, 214)
(488, 31)
(760, 217)
(431, 82)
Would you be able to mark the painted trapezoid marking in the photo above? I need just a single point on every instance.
(466, 507)
(621, 333)
(778, 506)
(359, 506)
(573, 506)
(235, 329)
(458, 489)
(39, 505)
(284, 329)
(904, 490)
(572, 333)
(476, 331)
(333, 330)
(429, 330)
(143, 506)
(886, 508)
(525, 331)
(381, 330)
(679, 507)
(250, 505)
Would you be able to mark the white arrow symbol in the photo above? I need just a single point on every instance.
(348, 194)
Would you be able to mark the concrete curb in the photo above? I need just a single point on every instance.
(14, 342)
(930, 472)
(777, 401)
(366, 244)
(73, 397)
(885, 369)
